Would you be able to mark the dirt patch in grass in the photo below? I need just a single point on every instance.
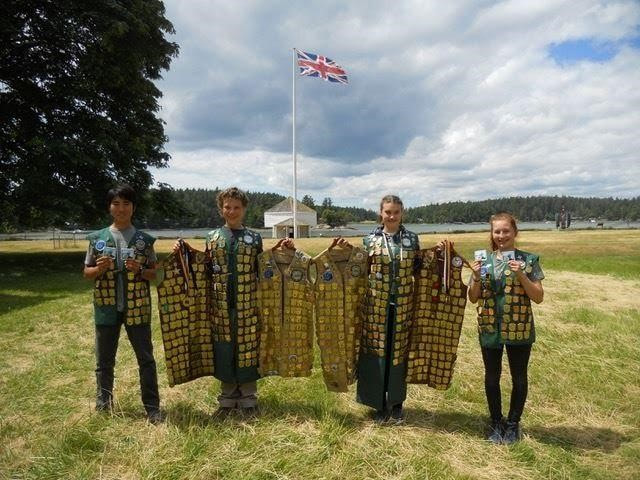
(585, 290)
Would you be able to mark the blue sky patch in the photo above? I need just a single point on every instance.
(587, 49)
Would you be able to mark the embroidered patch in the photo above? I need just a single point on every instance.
(356, 271)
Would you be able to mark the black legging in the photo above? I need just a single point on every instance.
(518, 356)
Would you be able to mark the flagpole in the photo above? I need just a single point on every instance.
(295, 166)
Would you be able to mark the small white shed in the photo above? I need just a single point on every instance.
(280, 219)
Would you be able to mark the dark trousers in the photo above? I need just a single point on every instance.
(518, 356)
(107, 337)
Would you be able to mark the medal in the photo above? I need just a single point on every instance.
(216, 268)
(359, 256)
(296, 275)
(507, 272)
(248, 239)
(406, 242)
(355, 270)
(268, 273)
(456, 262)
(100, 244)
(379, 276)
(140, 244)
(327, 276)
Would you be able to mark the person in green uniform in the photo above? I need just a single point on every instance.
(504, 284)
(121, 261)
(234, 266)
(388, 309)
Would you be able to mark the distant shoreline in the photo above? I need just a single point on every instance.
(350, 230)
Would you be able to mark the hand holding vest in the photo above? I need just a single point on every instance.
(275, 310)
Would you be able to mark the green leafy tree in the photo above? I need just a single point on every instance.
(78, 104)
(162, 208)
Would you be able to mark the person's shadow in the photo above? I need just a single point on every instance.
(447, 421)
(567, 437)
(580, 438)
(184, 415)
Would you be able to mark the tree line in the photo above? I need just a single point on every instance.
(165, 207)
(527, 209)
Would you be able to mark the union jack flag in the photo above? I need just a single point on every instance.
(313, 65)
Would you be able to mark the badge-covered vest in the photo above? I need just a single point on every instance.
(241, 277)
(137, 299)
(437, 319)
(339, 293)
(389, 280)
(183, 301)
(504, 309)
(286, 311)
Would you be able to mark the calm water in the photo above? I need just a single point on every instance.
(361, 229)
(352, 230)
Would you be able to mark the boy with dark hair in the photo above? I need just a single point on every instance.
(121, 260)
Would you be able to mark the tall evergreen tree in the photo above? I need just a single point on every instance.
(78, 104)
(308, 201)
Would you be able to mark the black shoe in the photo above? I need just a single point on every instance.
(381, 416)
(512, 433)
(496, 431)
(156, 417)
(397, 414)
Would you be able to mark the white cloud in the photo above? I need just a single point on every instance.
(447, 101)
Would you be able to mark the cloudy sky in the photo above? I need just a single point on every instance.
(461, 100)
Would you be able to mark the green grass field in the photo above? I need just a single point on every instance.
(582, 418)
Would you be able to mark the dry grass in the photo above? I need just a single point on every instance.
(581, 421)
